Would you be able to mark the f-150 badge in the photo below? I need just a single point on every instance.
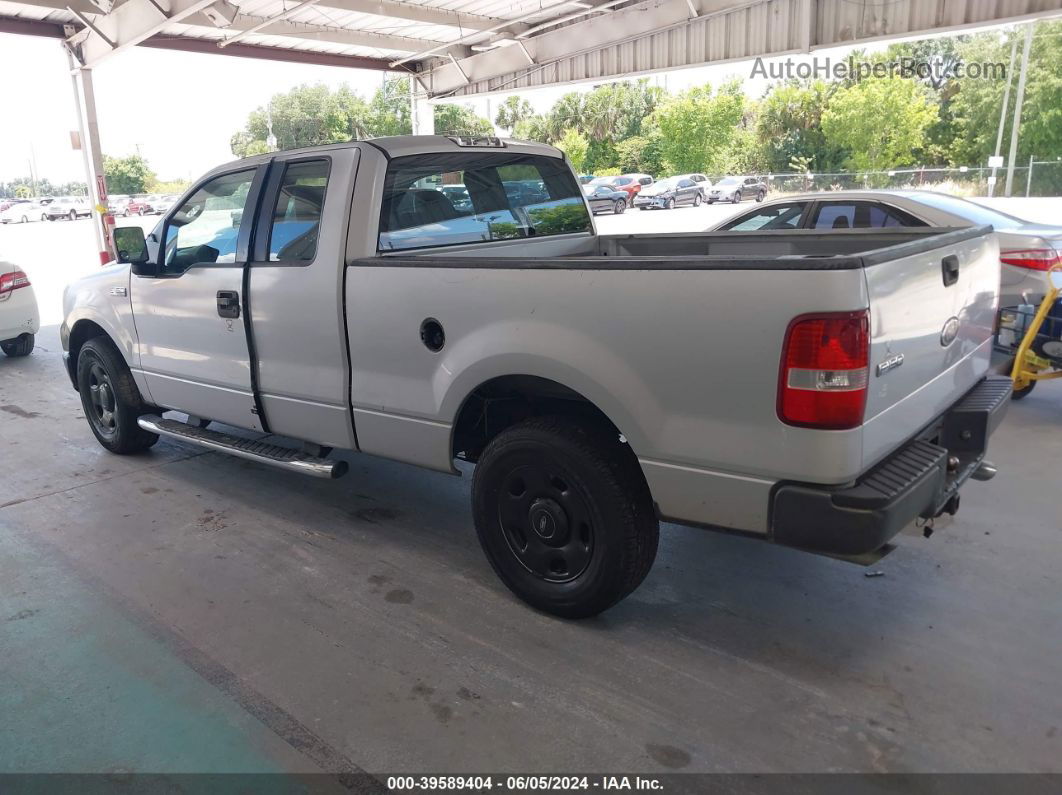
(890, 364)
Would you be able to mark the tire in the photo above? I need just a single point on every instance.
(110, 398)
(697, 200)
(20, 346)
(46, 217)
(760, 196)
(736, 198)
(73, 215)
(555, 472)
(1020, 394)
(669, 204)
(140, 211)
(619, 207)
(711, 201)
(24, 220)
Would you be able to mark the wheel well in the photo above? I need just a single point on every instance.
(82, 332)
(502, 402)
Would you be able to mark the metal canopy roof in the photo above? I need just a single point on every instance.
(466, 47)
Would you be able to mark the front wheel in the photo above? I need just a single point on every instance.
(619, 207)
(669, 204)
(736, 198)
(110, 398)
(564, 516)
(73, 215)
(20, 346)
(697, 200)
(140, 211)
(1019, 394)
(761, 196)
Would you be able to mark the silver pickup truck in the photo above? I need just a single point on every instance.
(819, 390)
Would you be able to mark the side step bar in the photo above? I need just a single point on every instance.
(262, 452)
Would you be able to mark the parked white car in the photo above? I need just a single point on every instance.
(72, 207)
(19, 319)
(1026, 250)
(22, 212)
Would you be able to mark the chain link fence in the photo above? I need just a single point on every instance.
(1041, 178)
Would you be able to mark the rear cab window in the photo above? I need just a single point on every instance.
(450, 199)
(297, 213)
(861, 215)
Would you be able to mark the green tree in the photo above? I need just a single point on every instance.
(127, 174)
(574, 144)
(881, 123)
(697, 127)
(977, 103)
(641, 154)
(390, 111)
(788, 125)
(460, 120)
(535, 128)
(513, 111)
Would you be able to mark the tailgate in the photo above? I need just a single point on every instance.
(932, 312)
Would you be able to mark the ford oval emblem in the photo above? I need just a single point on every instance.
(949, 332)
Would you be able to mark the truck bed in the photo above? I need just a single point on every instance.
(679, 345)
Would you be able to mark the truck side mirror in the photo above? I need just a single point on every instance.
(132, 250)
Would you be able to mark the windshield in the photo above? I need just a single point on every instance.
(667, 184)
(728, 181)
(971, 211)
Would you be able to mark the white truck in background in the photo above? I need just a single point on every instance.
(819, 390)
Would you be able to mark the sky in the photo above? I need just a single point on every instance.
(187, 106)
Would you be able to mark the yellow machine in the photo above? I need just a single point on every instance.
(1038, 356)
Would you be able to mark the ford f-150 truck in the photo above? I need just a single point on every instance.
(815, 389)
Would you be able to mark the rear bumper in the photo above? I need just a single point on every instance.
(922, 479)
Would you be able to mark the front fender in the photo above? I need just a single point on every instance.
(101, 298)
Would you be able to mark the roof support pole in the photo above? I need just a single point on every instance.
(422, 112)
(1019, 100)
(85, 104)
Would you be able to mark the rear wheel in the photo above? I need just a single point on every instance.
(25, 220)
(564, 516)
(73, 215)
(736, 197)
(110, 398)
(619, 207)
(760, 196)
(697, 200)
(20, 346)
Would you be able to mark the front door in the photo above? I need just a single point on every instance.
(192, 343)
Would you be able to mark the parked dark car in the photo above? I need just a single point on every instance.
(604, 198)
(736, 189)
(668, 194)
(585, 179)
(702, 182)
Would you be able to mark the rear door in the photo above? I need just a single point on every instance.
(192, 342)
(932, 313)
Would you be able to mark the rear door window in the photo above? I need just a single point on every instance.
(449, 199)
(297, 214)
(861, 215)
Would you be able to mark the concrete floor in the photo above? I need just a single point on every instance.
(186, 611)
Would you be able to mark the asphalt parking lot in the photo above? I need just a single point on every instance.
(186, 611)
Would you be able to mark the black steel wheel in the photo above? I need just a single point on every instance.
(564, 516)
(110, 398)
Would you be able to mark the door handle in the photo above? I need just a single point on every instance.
(949, 268)
(228, 303)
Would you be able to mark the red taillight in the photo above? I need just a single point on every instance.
(825, 369)
(1034, 259)
(12, 281)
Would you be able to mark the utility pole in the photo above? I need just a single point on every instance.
(1003, 113)
(1019, 100)
(1028, 183)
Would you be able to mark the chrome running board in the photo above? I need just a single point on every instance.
(251, 449)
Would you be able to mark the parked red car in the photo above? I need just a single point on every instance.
(631, 184)
(139, 205)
